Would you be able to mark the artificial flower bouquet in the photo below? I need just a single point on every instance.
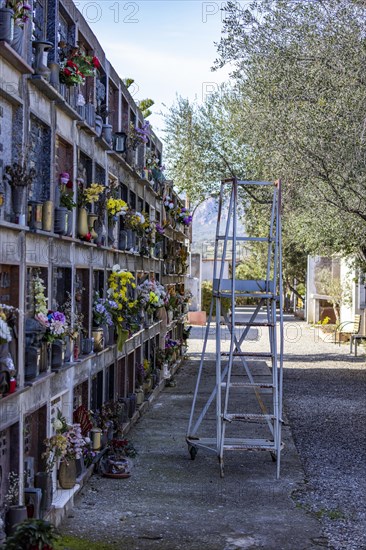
(76, 66)
(102, 311)
(55, 324)
(122, 305)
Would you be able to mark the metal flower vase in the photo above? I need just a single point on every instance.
(67, 474)
(6, 25)
(17, 42)
(41, 49)
(18, 201)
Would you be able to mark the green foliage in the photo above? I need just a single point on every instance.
(32, 533)
(144, 106)
(128, 82)
(300, 70)
(295, 110)
(67, 201)
(206, 296)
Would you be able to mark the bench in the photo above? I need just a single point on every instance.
(355, 337)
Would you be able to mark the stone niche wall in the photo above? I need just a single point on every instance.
(6, 128)
(39, 157)
(9, 457)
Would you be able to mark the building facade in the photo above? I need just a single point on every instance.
(63, 136)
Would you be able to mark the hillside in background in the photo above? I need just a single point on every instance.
(204, 226)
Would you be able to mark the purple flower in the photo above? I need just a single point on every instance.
(58, 316)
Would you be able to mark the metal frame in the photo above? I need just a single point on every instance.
(269, 295)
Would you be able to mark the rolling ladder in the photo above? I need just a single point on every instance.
(239, 371)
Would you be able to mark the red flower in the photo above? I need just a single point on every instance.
(88, 237)
(70, 63)
(67, 72)
(69, 184)
(96, 62)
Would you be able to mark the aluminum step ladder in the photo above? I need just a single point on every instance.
(236, 369)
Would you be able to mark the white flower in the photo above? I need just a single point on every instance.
(57, 424)
(4, 331)
(116, 267)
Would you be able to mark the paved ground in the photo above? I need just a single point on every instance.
(171, 502)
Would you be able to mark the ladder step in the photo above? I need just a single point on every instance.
(235, 444)
(256, 324)
(255, 239)
(228, 417)
(247, 354)
(247, 385)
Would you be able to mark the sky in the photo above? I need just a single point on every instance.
(167, 47)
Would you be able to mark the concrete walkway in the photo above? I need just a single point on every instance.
(171, 502)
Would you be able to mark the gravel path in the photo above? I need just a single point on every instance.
(325, 398)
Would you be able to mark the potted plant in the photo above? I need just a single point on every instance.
(32, 534)
(15, 512)
(19, 176)
(102, 319)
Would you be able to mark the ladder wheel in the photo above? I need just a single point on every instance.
(192, 451)
(273, 456)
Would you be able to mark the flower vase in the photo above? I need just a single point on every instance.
(101, 233)
(61, 220)
(123, 239)
(112, 235)
(18, 201)
(14, 516)
(54, 75)
(41, 49)
(6, 25)
(140, 397)
(82, 222)
(57, 354)
(161, 315)
(131, 240)
(17, 42)
(122, 336)
(43, 480)
(47, 216)
(107, 133)
(67, 474)
(98, 335)
(92, 218)
(98, 125)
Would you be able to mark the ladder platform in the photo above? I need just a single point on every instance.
(263, 385)
(250, 285)
(247, 354)
(258, 295)
(235, 444)
(229, 417)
